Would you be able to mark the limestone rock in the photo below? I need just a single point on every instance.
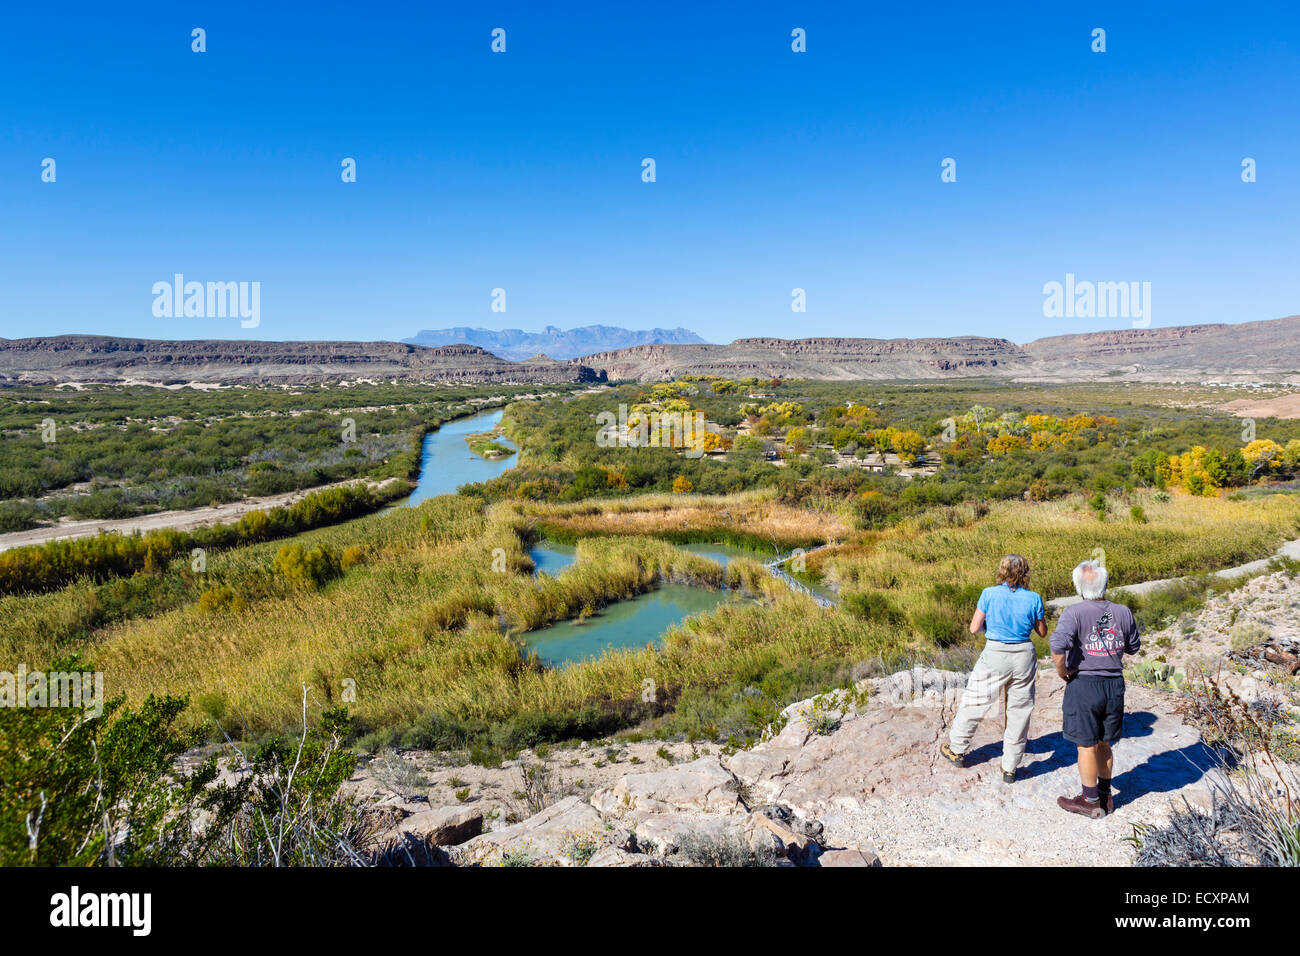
(849, 856)
(546, 839)
(701, 785)
(613, 856)
(444, 826)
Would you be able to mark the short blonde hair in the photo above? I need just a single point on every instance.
(1013, 571)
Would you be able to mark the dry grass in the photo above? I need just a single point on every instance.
(749, 518)
(1184, 535)
(426, 624)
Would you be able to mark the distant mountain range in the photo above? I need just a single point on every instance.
(517, 345)
(1248, 352)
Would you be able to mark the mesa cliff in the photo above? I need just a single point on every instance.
(95, 358)
(1267, 351)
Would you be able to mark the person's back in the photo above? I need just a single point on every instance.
(1088, 648)
(1094, 636)
(1010, 613)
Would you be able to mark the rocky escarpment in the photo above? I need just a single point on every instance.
(842, 359)
(852, 780)
(1253, 351)
(93, 358)
(1249, 352)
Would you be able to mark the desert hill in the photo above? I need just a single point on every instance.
(95, 358)
(1252, 351)
(1266, 351)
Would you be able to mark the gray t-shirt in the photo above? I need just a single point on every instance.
(1094, 636)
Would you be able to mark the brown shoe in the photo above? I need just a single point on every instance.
(1081, 806)
(1108, 803)
(956, 759)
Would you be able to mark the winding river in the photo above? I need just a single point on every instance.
(446, 463)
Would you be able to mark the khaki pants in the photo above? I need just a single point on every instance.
(1010, 666)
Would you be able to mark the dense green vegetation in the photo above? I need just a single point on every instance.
(989, 443)
(57, 563)
(122, 451)
(105, 790)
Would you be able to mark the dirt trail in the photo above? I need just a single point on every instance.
(1289, 550)
(175, 520)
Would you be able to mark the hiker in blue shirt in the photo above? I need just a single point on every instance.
(1009, 614)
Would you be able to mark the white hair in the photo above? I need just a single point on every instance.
(1090, 580)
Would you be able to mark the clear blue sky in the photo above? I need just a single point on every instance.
(523, 171)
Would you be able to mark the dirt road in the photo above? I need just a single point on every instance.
(175, 520)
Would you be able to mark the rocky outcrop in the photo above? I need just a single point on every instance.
(854, 779)
(556, 836)
(94, 358)
(444, 826)
(1251, 351)
(824, 358)
(700, 786)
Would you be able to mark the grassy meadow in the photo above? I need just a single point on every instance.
(418, 633)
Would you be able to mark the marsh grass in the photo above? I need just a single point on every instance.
(929, 573)
(424, 624)
(749, 520)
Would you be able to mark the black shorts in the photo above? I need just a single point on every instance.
(1093, 710)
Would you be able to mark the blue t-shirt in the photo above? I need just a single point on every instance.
(1010, 615)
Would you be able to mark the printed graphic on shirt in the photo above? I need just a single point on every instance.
(1104, 638)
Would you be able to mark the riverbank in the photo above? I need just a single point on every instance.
(437, 476)
(187, 520)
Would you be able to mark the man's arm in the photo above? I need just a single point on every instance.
(1133, 641)
(1061, 670)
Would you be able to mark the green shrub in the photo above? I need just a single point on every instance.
(872, 606)
(77, 790)
(307, 568)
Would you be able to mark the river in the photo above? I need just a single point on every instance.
(446, 462)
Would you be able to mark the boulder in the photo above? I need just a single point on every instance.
(444, 826)
(702, 785)
(548, 838)
(848, 856)
(665, 834)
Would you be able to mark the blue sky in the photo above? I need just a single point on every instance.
(522, 170)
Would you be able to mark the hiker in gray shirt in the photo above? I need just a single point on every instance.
(1088, 646)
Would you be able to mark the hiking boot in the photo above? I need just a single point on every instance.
(1107, 803)
(1008, 776)
(1082, 806)
(957, 760)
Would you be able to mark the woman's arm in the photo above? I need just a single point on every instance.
(977, 622)
(1040, 627)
